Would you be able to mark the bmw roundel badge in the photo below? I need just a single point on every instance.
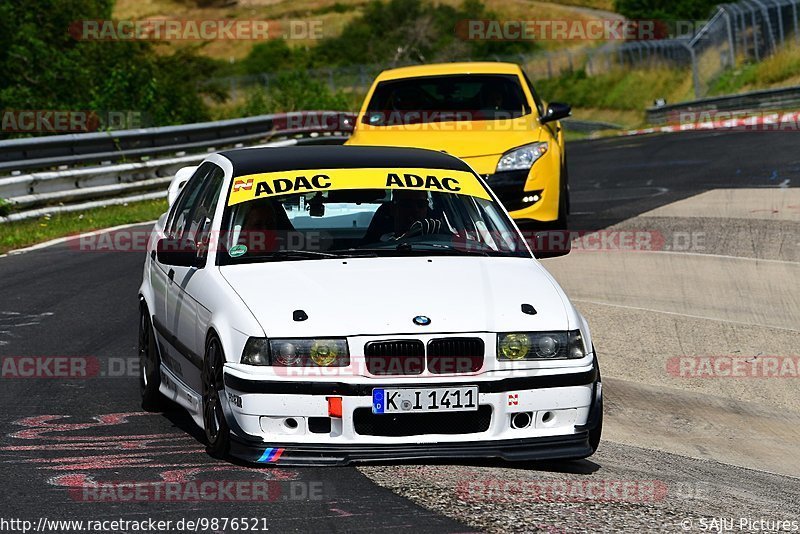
(421, 320)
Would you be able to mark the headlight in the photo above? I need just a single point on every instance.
(256, 352)
(296, 352)
(521, 158)
(521, 346)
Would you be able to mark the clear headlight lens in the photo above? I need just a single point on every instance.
(297, 352)
(521, 158)
(256, 352)
(520, 346)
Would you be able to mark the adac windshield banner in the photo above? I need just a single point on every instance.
(270, 184)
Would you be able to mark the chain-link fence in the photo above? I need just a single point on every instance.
(749, 30)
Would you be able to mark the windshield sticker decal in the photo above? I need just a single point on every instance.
(237, 250)
(255, 186)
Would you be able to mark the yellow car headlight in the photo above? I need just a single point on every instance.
(519, 346)
(297, 352)
(323, 353)
(514, 346)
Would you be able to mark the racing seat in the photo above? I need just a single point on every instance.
(266, 218)
(382, 223)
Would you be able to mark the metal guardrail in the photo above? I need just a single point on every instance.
(117, 179)
(771, 99)
(124, 145)
(49, 191)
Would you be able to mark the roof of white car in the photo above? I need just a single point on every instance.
(248, 161)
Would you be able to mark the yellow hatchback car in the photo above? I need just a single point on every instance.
(489, 115)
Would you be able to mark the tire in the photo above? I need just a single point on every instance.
(563, 201)
(218, 434)
(597, 432)
(149, 365)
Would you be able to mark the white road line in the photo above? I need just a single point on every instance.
(598, 303)
(72, 237)
(724, 256)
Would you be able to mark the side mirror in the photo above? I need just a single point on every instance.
(549, 243)
(177, 252)
(177, 183)
(553, 253)
(556, 111)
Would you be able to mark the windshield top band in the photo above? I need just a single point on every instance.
(264, 185)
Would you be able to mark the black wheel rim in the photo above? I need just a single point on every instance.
(212, 385)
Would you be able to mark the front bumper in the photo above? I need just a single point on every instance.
(290, 454)
(564, 409)
(516, 190)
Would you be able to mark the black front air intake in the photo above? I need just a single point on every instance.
(367, 423)
(395, 357)
(455, 355)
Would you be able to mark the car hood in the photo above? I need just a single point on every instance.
(379, 296)
(465, 139)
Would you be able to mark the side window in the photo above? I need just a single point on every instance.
(539, 105)
(176, 223)
(200, 219)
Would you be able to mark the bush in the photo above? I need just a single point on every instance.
(274, 55)
(5, 207)
(619, 89)
(44, 67)
(403, 31)
(666, 10)
(293, 91)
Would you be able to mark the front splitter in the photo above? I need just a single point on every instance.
(573, 446)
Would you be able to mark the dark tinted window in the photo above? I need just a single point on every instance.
(536, 99)
(446, 98)
(181, 210)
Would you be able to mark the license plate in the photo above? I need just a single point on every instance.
(409, 400)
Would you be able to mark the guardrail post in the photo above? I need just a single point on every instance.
(731, 45)
(756, 51)
(743, 30)
(765, 16)
(778, 11)
(794, 12)
(695, 71)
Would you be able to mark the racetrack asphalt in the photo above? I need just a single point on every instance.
(694, 449)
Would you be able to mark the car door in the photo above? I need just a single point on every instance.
(160, 273)
(183, 310)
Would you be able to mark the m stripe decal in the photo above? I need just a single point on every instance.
(270, 455)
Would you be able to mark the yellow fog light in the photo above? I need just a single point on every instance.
(323, 354)
(514, 346)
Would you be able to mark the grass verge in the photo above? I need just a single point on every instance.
(20, 234)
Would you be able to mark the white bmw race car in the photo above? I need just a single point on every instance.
(333, 304)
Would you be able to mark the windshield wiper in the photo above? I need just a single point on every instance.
(301, 254)
(313, 254)
(439, 248)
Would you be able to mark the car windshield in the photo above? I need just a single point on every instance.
(446, 98)
(321, 214)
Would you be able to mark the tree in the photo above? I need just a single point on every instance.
(46, 68)
(666, 10)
